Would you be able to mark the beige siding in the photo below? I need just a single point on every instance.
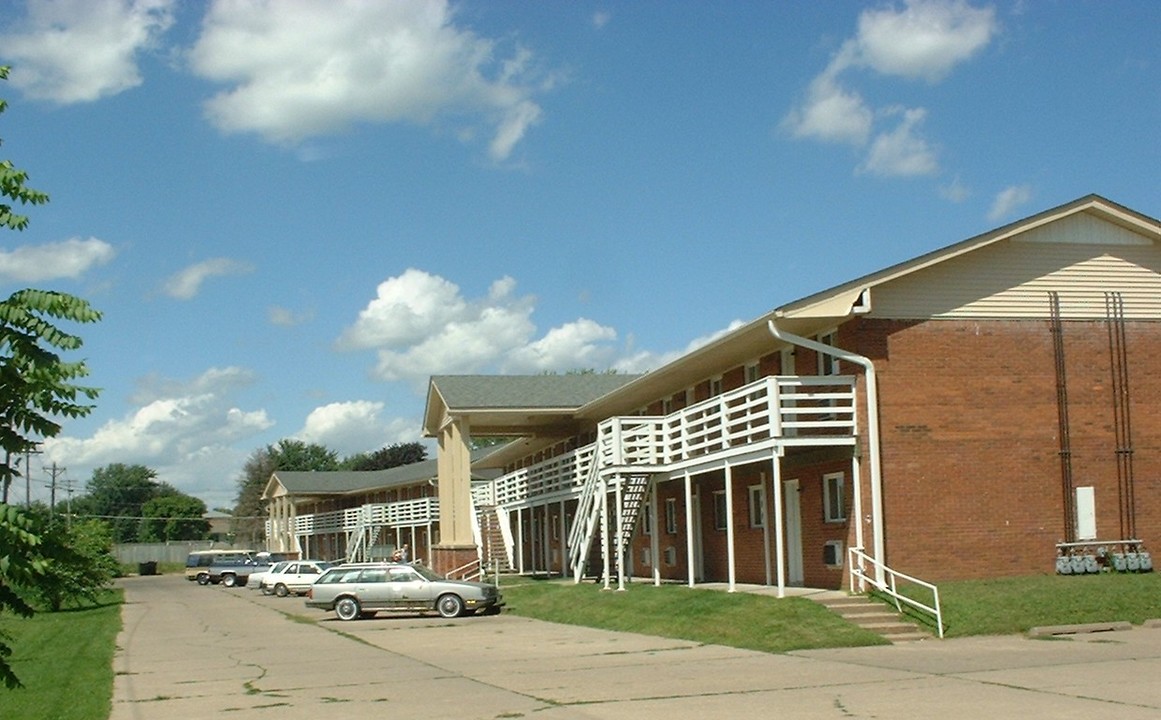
(1080, 257)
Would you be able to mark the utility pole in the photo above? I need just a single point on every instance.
(55, 472)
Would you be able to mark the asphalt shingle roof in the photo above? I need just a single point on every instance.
(526, 391)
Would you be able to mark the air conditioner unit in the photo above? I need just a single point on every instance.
(832, 553)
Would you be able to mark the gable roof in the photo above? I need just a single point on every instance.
(510, 404)
(353, 482)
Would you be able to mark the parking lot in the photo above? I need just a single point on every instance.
(197, 652)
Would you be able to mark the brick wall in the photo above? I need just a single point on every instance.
(970, 442)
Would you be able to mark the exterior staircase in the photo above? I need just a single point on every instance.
(494, 549)
(873, 615)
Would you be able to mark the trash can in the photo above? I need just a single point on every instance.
(147, 568)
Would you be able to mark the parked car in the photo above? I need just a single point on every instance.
(255, 581)
(231, 573)
(360, 590)
(198, 563)
(292, 577)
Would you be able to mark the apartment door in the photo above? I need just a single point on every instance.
(793, 526)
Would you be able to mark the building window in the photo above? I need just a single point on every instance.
(757, 506)
(671, 516)
(828, 364)
(647, 519)
(670, 555)
(833, 500)
(555, 528)
(715, 386)
(720, 516)
(646, 557)
(752, 373)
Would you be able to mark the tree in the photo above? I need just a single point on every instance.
(287, 454)
(173, 516)
(78, 561)
(20, 566)
(116, 494)
(37, 388)
(387, 457)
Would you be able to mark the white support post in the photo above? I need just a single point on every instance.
(779, 545)
(654, 538)
(730, 526)
(563, 541)
(689, 527)
(618, 537)
(605, 532)
(857, 511)
(520, 540)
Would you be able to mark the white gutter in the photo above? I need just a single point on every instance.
(872, 432)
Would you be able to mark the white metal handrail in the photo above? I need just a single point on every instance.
(858, 561)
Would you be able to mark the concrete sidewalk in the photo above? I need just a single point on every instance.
(199, 652)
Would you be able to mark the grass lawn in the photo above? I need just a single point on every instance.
(1014, 605)
(740, 620)
(64, 660)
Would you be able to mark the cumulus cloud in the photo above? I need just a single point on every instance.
(186, 284)
(66, 259)
(925, 40)
(298, 69)
(71, 51)
(355, 427)
(421, 324)
(285, 317)
(182, 429)
(901, 152)
(1008, 200)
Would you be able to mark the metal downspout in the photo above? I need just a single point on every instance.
(872, 431)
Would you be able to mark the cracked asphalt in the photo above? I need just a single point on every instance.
(187, 652)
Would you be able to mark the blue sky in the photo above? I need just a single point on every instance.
(293, 213)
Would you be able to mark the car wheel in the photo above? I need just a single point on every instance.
(229, 580)
(265, 590)
(348, 609)
(449, 606)
(203, 578)
(280, 590)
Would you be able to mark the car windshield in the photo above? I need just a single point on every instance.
(278, 567)
(427, 573)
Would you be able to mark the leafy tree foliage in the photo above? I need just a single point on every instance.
(78, 561)
(20, 566)
(286, 454)
(117, 494)
(387, 457)
(37, 388)
(174, 516)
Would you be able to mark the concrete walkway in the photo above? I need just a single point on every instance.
(200, 652)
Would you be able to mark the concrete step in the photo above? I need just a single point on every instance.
(875, 616)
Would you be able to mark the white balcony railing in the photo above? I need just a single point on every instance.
(405, 513)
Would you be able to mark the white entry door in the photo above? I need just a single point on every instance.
(793, 525)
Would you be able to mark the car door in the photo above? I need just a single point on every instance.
(373, 590)
(304, 574)
(413, 591)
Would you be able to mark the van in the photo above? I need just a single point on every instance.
(199, 560)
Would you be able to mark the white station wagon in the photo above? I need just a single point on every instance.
(361, 590)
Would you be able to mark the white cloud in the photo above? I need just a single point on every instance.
(955, 191)
(355, 427)
(421, 325)
(601, 19)
(901, 152)
(66, 259)
(579, 345)
(70, 51)
(1008, 200)
(299, 69)
(184, 430)
(285, 317)
(186, 284)
(925, 39)
(830, 114)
